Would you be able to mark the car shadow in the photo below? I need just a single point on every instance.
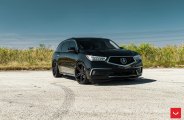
(69, 77)
(116, 82)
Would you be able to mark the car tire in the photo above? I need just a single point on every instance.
(55, 70)
(80, 73)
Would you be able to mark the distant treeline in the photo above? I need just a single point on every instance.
(40, 58)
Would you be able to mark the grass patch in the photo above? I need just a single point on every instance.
(30, 59)
(168, 56)
(40, 58)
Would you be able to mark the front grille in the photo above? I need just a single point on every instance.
(121, 60)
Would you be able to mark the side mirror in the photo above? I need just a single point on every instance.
(72, 50)
(121, 47)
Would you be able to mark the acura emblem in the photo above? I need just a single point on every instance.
(123, 61)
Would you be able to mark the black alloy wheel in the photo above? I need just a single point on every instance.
(80, 74)
(55, 70)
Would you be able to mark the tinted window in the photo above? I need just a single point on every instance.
(96, 44)
(64, 47)
(72, 44)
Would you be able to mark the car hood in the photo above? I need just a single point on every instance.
(114, 52)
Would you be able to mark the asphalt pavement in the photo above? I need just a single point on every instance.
(37, 95)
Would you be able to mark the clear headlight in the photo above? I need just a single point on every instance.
(96, 58)
(137, 57)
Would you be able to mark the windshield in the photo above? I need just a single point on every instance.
(96, 44)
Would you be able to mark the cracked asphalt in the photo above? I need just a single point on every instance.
(37, 95)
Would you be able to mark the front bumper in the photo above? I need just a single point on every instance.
(107, 73)
(102, 71)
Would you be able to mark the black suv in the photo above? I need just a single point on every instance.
(95, 59)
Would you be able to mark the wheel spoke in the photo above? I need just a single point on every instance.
(78, 68)
(78, 75)
(81, 78)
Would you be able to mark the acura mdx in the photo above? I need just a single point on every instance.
(94, 60)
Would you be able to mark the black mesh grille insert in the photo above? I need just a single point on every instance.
(122, 72)
(121, 60)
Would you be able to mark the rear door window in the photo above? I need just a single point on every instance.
(72, 44)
